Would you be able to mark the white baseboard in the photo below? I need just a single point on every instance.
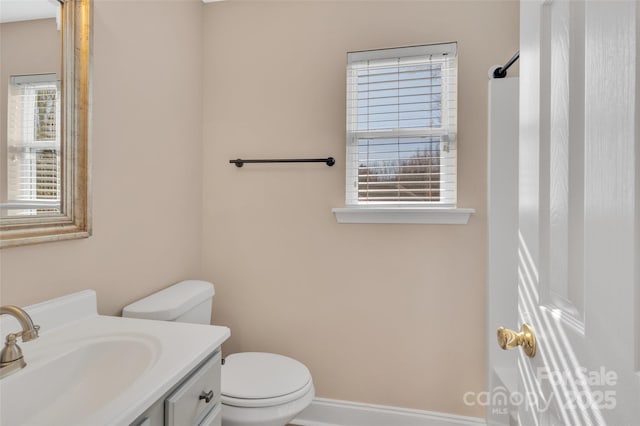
(331, 412)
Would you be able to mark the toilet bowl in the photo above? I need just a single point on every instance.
(257, 388)
(263, 389)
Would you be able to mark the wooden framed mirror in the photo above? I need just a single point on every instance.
(44, 160)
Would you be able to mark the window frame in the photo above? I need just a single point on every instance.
(377, 211)
(446, 54)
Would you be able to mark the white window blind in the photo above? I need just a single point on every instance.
(401, 126)
(33, 148)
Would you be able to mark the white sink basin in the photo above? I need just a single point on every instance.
(74, 379)
(87, 369)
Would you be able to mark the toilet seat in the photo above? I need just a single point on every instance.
(257, 379)
(267, 402)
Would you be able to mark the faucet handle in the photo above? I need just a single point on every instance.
(26, 335)
(32, 334)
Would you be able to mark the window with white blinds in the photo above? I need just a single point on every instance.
(33, 148)
(401, 126)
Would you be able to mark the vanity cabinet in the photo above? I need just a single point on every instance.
(193, 401)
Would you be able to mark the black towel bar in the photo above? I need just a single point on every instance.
(329, 161)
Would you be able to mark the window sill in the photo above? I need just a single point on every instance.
(414, 215)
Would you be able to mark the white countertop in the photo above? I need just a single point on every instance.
(158, 353)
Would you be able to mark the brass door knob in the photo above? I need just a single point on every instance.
(509, 339)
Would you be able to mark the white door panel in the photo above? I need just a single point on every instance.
(578, 212)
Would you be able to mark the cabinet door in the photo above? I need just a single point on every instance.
(214, 418)
(191, 402)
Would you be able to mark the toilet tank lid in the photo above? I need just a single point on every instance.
(170, 303)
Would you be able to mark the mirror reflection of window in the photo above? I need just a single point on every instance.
(33, 148)
(44, 164)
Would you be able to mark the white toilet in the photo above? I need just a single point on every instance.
(259, 389)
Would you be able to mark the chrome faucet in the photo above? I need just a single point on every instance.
(11, 358)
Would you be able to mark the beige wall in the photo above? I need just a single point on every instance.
(26, 47)
(146, 164)
(387, 314)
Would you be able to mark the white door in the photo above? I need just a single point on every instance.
(579, 209)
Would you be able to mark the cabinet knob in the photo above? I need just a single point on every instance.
(207, 396)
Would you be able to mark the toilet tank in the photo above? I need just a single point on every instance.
(186, 301)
